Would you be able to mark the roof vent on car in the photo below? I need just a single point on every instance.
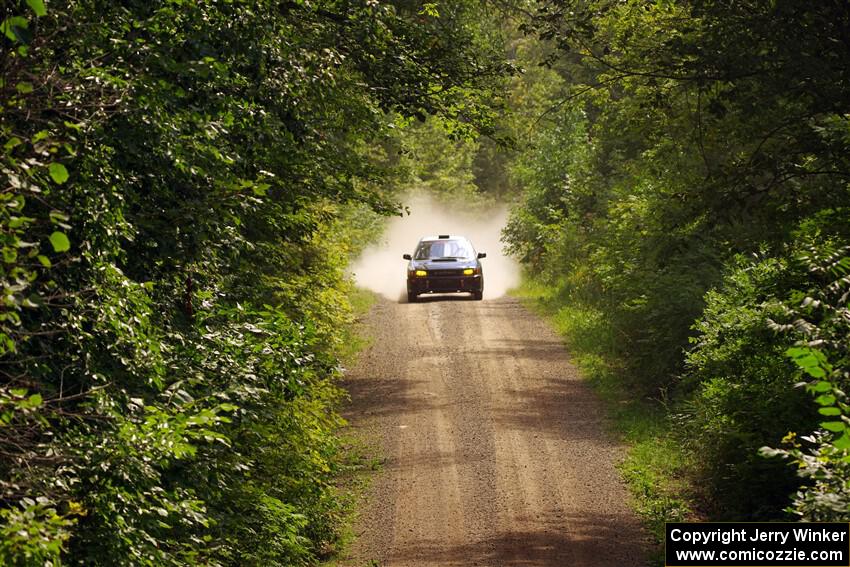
(444, 236)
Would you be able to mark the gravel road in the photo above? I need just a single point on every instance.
(495, 452)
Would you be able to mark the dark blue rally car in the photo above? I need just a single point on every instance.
(444, 264)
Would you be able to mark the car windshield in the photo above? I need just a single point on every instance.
(437, 249)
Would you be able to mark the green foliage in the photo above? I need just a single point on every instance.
(819, 317)
(183, 184)
(739, 391)
(672, 142)
(33, 533)
(436, 163)
(691, 153)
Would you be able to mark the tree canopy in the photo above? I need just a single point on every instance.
(179, 180)
(688, 180)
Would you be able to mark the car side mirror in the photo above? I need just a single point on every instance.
(482, 254)
(406, 256)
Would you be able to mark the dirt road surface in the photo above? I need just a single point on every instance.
(495, 452)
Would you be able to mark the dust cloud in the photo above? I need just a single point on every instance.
(381, 268)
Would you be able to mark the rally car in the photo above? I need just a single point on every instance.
(444, 264)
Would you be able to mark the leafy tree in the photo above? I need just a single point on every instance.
(683, 138)
(174, 175)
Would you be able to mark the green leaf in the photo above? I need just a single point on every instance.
(797, 352)
(18, 222)
(822, 386)
(806, 361)
(58, 173)
(814, 371)
(45, 261)
(60, 242)
(37, 7)
(825, 400)
(835, 426)
(430, 9)
(812, 361)
(843, 442)
(11, 143)
(24, 88)
(12, 27)
(829, 411)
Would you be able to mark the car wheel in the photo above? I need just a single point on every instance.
(411, 297)
(477, 295)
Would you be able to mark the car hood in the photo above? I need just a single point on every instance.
(443, 265)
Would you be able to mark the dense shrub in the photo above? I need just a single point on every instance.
(681, 139)
(819, 315)
(739, 390)
(182, 186)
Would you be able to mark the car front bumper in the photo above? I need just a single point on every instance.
(444, 284)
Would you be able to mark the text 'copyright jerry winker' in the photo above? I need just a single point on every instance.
(743, 544)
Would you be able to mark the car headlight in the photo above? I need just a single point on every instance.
(421, 273)
(468, 271)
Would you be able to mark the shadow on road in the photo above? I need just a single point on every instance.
(558, 409)
(385, 397)
(437, 297)
(544, 544)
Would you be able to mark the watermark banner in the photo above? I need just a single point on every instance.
(746, 544)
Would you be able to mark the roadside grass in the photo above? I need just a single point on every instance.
(360, 462)
(360, 457)
(656, 466)
(355, 337)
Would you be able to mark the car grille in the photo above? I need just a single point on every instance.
(448, 280)
(447, 284)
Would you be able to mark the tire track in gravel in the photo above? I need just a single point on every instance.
(496, 453)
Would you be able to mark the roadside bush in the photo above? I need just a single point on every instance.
(818, 314)
(693, 158)
(174, 182)
(653, 284)
(739, 391)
